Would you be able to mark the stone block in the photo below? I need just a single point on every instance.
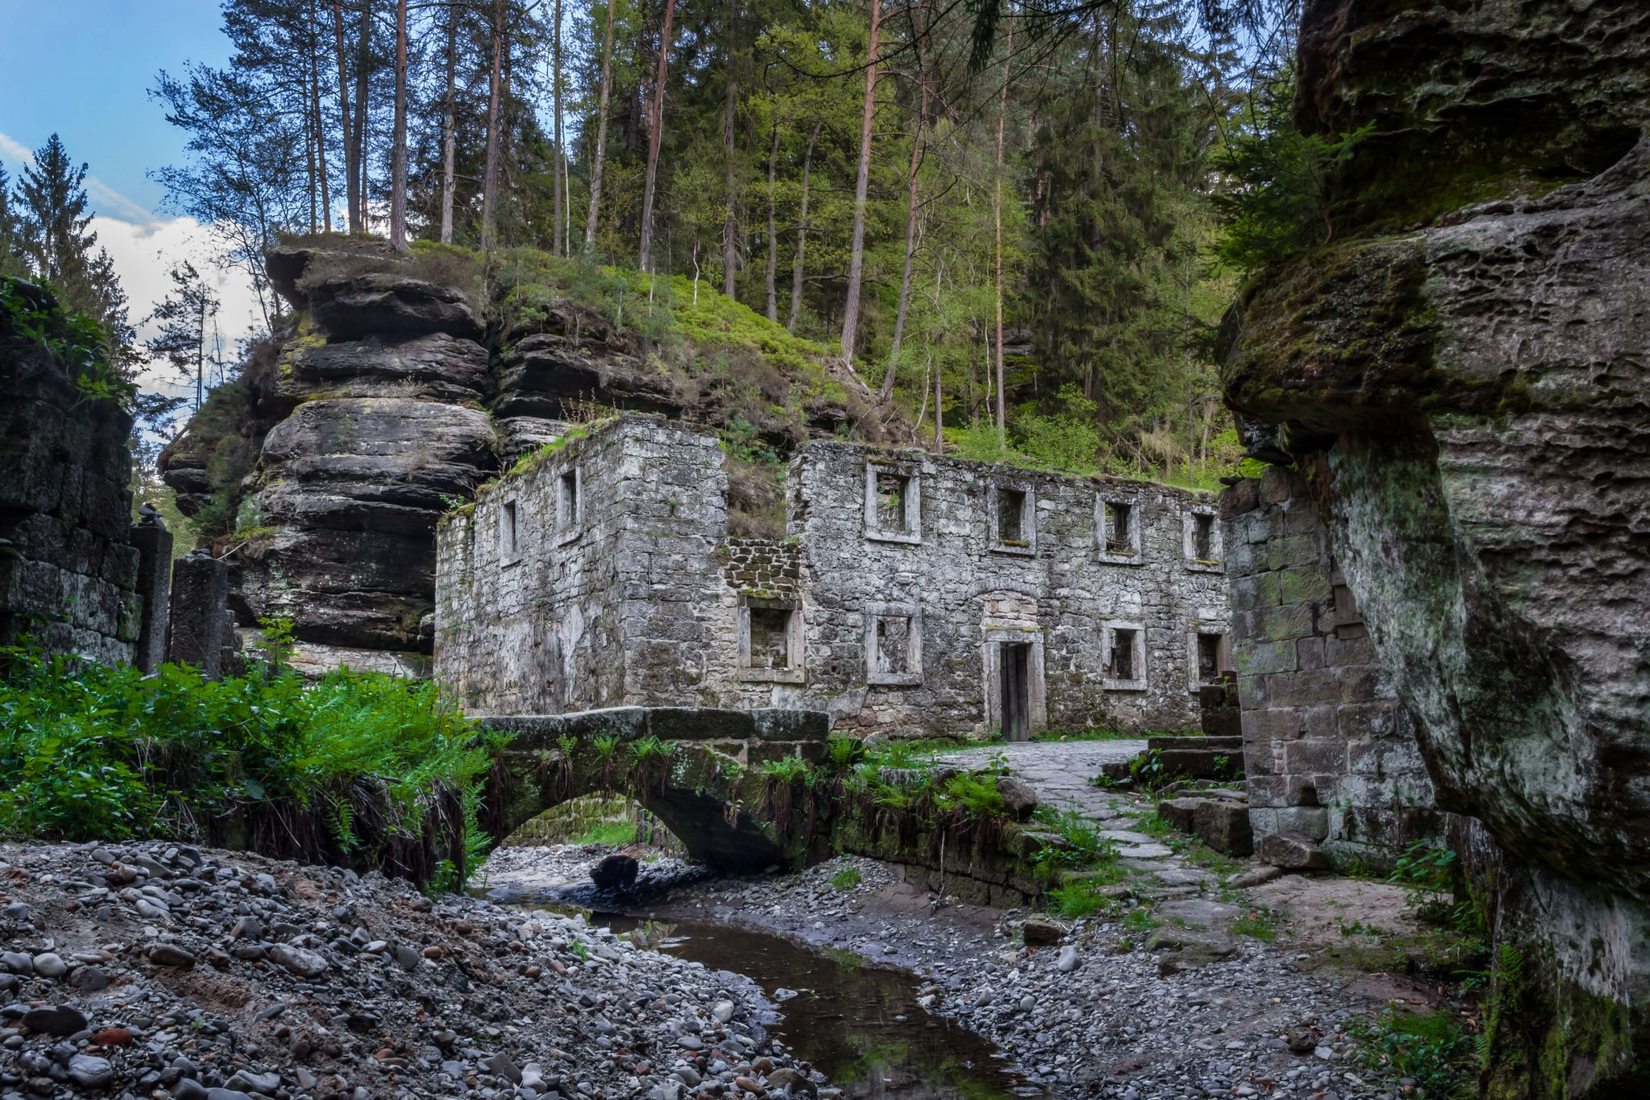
(1314, 756)
(1309, 821)
(195, 633)
(1224, 826)
(1292, 852)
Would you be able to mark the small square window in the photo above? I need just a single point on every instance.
(1118, 530)
(1013, 519)
(893, 645)
(770, 637)
(893, 504)
(569, 505)
(1201, 533)
(1124, 658)
(509, 533)
(1211, 657)
(1119, 527)
(770, 642)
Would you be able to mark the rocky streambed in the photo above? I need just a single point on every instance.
(1171, 1004)
(160, 970)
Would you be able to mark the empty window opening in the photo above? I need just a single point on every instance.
(771, 637)
(892, 489)
(1208, 657)
(567, 500)
(1011, 519)
(1119, 527)
(893, 644)
(508, 535)
(1203, 537)
(1120, 664)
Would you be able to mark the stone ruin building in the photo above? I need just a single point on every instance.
(914, 594)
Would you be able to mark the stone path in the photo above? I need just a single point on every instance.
(1059, 771)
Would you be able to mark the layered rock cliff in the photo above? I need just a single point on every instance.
(399, 383)
(1462, 372)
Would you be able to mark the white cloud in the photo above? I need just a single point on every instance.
(144, 253)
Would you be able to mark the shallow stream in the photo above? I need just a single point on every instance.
(860, 1025)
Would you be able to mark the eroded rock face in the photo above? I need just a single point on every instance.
(1473, 402)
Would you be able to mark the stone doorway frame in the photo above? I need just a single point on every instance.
(992, 651)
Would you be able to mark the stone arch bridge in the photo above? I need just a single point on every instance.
(696, 769)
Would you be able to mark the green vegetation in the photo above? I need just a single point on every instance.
(846, 879)
(1077, 898)
(1435, 1048)
(1140, 921)
(353, 766)
(1257, 924)
(612, 833)
(31, 318)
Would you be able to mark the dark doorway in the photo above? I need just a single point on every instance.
(1014, 675)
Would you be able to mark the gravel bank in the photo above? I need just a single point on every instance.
(164, 971)
(1180, 1011)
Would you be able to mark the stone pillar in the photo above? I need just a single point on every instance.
(200, 590)
(1330, 754)
(153, 543)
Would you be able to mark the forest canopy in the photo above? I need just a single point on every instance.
(1004, 214)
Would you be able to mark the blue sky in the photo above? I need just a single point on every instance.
(83, 68)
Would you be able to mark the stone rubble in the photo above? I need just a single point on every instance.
(160, 970)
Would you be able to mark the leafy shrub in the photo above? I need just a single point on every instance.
(846, 879)
(100, 752)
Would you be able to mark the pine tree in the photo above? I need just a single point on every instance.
(58, 245)
(12, 261)
(184, 318)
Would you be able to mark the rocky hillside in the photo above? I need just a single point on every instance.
(1461, 371)
(400, 383)
(131, 970)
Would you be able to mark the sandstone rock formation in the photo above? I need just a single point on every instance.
(400, 383)
(1462, 373)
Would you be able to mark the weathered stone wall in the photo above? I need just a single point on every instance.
(1329, 751)
(607, 597)
(649, 602)
(968, 591)
(68, 574)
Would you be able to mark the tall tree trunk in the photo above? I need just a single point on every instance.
(449, 126)
(596, 165)
(655, 134)
(309, 175)
(997, 220)
(730, 221)
(856, 248)
(802, 232)
(351, 180)
(362, 72)
(489, 175)
(773, 230)
(910, 243)
(398, 141)
(315, 111)
(561, 198)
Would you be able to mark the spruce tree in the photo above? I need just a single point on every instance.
(60, 247)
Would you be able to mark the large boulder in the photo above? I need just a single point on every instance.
(1468, 398)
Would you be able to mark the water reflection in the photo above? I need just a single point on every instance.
(862, 1026)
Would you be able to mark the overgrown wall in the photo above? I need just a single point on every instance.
(68, 575)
